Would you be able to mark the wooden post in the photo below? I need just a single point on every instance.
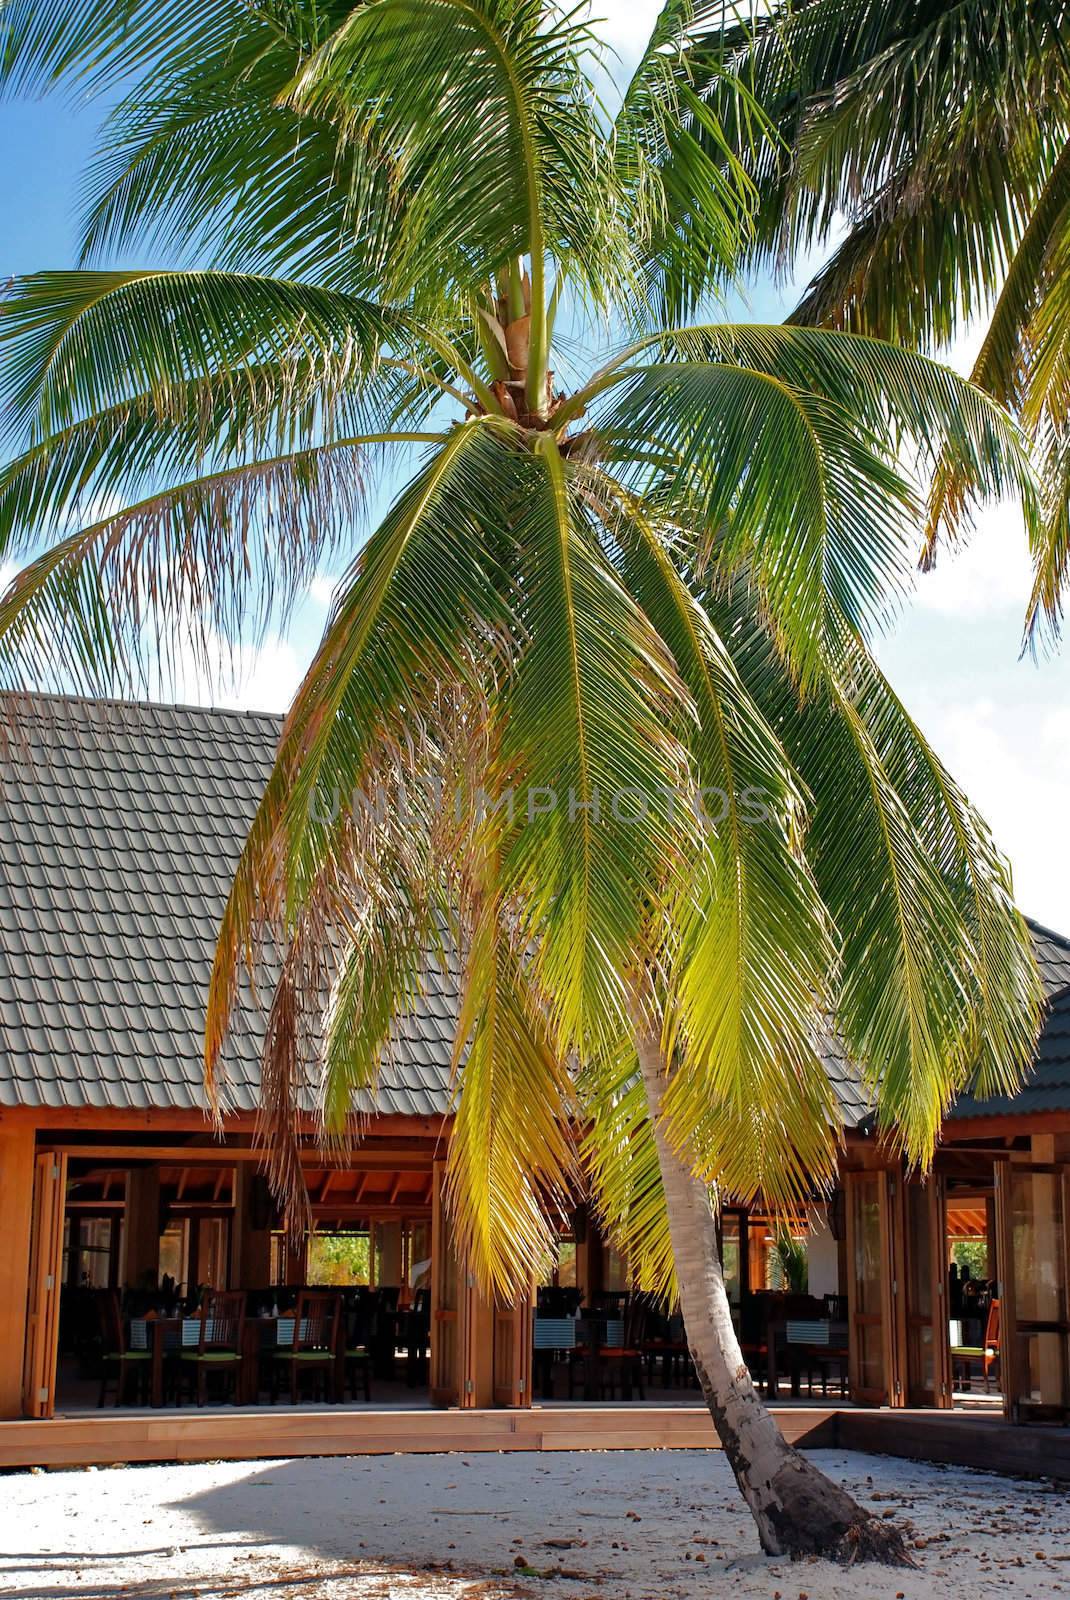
(513, 1353)
(141, 1228)
(589, 1259)
(296, 1263)
(895, 1289)
(16, 1210)
(462, 1321)
(251, 1242)
(388, 1242)
(871, 1289)
(1050, 1282)
(446, 1292)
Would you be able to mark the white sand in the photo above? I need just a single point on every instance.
(624, 1525)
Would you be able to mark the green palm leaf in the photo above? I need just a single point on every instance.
(584, 736)
(941, 135)
(74, 343)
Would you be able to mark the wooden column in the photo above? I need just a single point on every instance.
(43, 1299)
(250, 1266)
(141, 1228)
(589, 1258)
(16, 1208)
(388, 1243)
(446, 1294)
(296, 1263)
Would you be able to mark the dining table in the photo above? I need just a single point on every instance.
(162, 1335)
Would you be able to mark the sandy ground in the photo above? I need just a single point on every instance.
(663, 1525)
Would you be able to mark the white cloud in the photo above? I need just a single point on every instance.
(626, 25)
(988, 575)
(321, 589)
(262, 677)
(1012, 757)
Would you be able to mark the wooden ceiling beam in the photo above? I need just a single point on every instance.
(367, 1158)
(121, 1122)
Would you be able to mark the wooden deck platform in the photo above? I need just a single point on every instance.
(102, 1437)
(961, 1439)
(99, 1437)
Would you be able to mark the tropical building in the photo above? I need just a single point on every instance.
(120, 825)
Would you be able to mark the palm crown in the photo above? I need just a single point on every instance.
(938, 132)
(594, 712)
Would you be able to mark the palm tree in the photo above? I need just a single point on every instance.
(594, 712)
(930, 143)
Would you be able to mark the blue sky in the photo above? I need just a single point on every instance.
(1001, 723)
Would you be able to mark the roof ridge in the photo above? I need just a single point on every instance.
(121, 703)
(1049, 933)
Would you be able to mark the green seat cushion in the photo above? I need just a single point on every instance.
(968, 1350)
(303, 1355)
(128, 1355)
(210, 1355)
(358, 1353)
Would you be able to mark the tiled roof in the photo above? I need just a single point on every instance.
(1053, 958)
(120, 827)
(1047, 1088)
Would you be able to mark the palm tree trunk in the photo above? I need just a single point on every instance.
(797, 1509)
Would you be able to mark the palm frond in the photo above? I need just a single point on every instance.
(484, 112)
(935, 958)
(585, 741)
(510, 1163)
(787, 482)
(620, 1159)
(424, 598)
(90, 48)
(691, 195)
(77, 343)
(170, 581)
(748, 946)
(200, 157)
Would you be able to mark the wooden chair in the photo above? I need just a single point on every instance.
(314, 1348)
(813, 1345)
(117, 1358)
(416, 1334)
(986, 1355)
(622, 1365)
(219, 1347)
(665, 1342)
(357, 1356)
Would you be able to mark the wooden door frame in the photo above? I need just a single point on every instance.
(514, 1351)
(944, 1398)
(908, 1321)
(45, 1283)
(1010, 1363)
(886, 1318)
